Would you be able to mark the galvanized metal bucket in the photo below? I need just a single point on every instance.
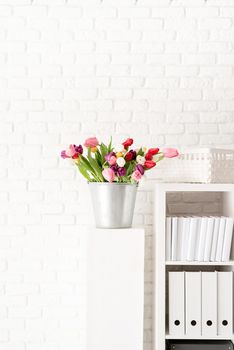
(113, 204)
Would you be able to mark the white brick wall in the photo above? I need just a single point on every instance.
(158, 70)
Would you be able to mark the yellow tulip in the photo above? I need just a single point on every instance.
(93, 149)
(119, 154)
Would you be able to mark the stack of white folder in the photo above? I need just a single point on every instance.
(200, 303)
(198, 238)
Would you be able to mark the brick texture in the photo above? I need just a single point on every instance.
(160, 71)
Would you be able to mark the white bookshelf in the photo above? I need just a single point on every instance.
(218, 337)
(199, 263)
(161, 266)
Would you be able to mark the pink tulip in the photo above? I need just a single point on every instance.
(136, 175)
(108, 174)
(70, 151)
(112, 160)
(91, 142)
(170, 152)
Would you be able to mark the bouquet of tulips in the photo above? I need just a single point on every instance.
(121, 163)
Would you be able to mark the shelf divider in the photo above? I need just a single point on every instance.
(200, 263)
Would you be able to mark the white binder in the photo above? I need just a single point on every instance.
(227, 241)
(209, 304)
(219, 249)
(176, 303)
(174, 238)
(168, 238)
(208, 241)
(202, 239)
(180, 225)
(193, 303)
(215, 239)
(185, 238)
(197, 237)
(192, 239)
(225, 303)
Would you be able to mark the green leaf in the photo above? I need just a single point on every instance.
(100, 160)
(84, 172)
(95, 166)
(140, 152)
(159, 157)
(110, 145)
(125, 179)
(104, 150)
(131, 168)
(83, 161)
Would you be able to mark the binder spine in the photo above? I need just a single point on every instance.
(193, 303)
(209, 304)
(176, 303)
(225, 303)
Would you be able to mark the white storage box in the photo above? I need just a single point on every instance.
(201, 165)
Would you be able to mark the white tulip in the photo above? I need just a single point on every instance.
(119, 148)
(120, 161)
(140, 160)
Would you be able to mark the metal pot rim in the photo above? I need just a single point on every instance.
(112, 183)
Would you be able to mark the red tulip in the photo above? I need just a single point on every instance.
(149, 164)
(148, 156)
(127, 143)
(153, 151)
(130, 155)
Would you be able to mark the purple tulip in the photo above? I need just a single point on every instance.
(115, 168)
(133, 154)
(121, 171)
(78, 149)
(140, 168)
(63, 154)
